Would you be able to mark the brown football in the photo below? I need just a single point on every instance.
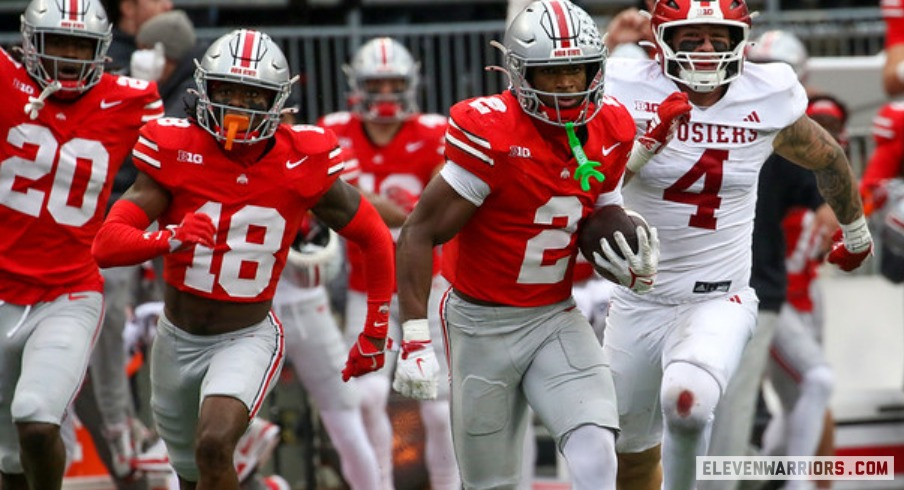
(603, 223)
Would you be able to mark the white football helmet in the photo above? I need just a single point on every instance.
(550, 33)
(379, 59)
(702, 72)
(782, 46)
(251, 58)
(73, 18)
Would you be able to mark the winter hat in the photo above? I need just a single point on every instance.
(174, 29)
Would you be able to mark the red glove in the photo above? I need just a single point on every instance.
(195, 229)
(365, 356)
(402, 198)
(672, 111)
(852, 245)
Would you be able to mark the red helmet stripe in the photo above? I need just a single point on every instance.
(561, 21)
(385, 46)
(247, 44)
(75, 10)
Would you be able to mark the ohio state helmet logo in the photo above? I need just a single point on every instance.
(247, 49)
(73, 13)
(566, 30)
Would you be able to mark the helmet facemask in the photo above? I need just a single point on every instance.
(379, 63)
(702, 71)
(244, 58)
(555, 107)
(51, 23)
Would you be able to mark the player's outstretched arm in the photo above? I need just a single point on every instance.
(673, 111)
(343, 209)
(808, 144)
(122, 239)
(438, 216)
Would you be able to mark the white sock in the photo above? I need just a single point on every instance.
(374, 389)
(349, 437)
(439, 453)
(806, 419)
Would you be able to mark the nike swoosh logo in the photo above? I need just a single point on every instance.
(381, 324)
(413, 147)
(420, 360)
(607, 151)
(106, 105)
(290, 165)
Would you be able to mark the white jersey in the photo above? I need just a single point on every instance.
(700, 191)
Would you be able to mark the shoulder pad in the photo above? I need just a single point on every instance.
(432, 120)
(310, 139)
(617, 120)
(335, 118)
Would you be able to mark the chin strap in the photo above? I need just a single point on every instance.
(35, 104)
(586, 167)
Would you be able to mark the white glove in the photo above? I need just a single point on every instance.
(636, 271)
(417, 371)
(147, 64)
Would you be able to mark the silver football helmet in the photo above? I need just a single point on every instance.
(380, 59)
(250, 58)
(782, 46)
(74, 18)
(549, 33)
(702, 72)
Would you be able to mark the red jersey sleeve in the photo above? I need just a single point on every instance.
(887, 159)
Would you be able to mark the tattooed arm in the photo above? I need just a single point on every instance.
(807, 144)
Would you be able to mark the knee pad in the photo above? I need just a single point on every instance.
(31, 407)
(689, 397)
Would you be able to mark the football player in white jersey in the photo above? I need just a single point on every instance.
(673, 351)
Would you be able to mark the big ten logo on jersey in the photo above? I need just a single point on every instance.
(23, 87)
(519, 151)
(189, 157)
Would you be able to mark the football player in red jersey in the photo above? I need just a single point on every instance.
(67, 126)
(228, 189)
(675, 351)
(522, 169)
(398, 150)
(893, 70)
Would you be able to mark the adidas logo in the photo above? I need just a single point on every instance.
(752, 117)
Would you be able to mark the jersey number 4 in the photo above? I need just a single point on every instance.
(707, 200)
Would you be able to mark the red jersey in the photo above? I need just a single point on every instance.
(803, 255)
(257, 207)
(893, 13)
(887, 160)
(56, 173)
(407, 162)
(519, 247)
